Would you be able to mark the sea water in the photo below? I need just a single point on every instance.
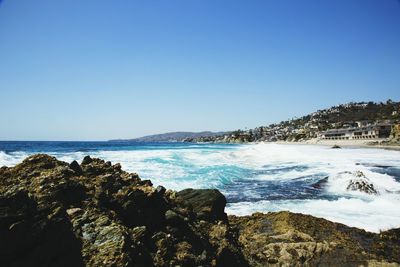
(255, 177)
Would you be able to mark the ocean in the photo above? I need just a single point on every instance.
(253, 177)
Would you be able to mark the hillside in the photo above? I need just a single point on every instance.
(173, 136)
(308, 126)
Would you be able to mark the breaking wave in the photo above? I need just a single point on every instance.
(261, 177)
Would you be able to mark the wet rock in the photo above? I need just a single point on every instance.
(362, 186)
(321, 183)
(361, 183)
(208, 204)
(359, 174)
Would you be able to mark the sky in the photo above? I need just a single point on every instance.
(99, 70)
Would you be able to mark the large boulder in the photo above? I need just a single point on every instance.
(208, 204)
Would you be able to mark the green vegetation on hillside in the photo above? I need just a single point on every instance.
(342, 116)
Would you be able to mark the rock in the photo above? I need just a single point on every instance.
(86, 160)
(160, 190)
(52, 215)
(359, 174)
(335, 147)
(321, 183)
(174, 218)
(208, 204)
(289, 239)
(39, 161)
(35, 237)
(74, 165)
(116, 166)
(74, 211)
(362, 185)
(69, 193)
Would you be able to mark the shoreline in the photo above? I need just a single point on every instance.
(95, 213)
(342, 143)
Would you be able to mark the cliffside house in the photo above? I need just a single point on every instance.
(375, 131)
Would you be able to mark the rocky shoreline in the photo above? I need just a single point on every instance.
(54, 213)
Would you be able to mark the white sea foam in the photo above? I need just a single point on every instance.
(375, 214)
(11, 159)
(205, 167)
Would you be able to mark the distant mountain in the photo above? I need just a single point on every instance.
(173, 136)
(297, 129)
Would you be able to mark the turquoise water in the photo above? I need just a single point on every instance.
(260, 177)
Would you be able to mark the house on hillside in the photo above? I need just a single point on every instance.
(375, 131)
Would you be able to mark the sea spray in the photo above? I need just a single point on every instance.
(260, 177)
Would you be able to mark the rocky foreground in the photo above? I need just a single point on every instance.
(94, 214)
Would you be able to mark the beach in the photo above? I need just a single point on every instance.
(367, 143)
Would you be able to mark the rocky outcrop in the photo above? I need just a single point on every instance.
(362, 186)
(208, 204)
(361, 183)
(289, 239)
(95, 214)
(35, 236)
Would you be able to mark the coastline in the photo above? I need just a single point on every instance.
(96, 214)
(373, 143)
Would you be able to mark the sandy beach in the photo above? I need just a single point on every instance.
(371, 143)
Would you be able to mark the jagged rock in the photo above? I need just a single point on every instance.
(52, 215)
(74, 165)
(86, 160)
(57, 214)
(361, 183)
(35, 237)
(208, 204)
(362, 186)
(289, 239)
(160, 190)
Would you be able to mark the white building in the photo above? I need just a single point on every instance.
(367, 132)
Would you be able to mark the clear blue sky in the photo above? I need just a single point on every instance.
(95, 70)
